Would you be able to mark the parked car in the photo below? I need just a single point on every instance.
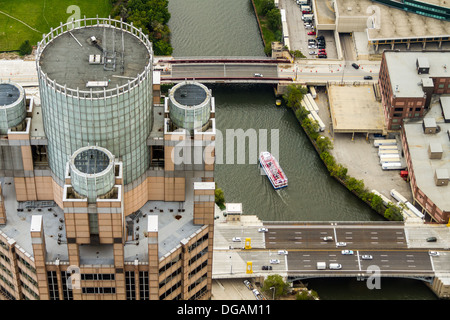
(274, 261)
(366, 257)
(347, 252)
(259, 75)
(311, 46)
(311, 33)
(368, 78)
(322, 56)
(266, 267)
(320, 38)
(263, 230)
(431, 239)
(354, 65)
(236, 239)
(321, 46)
(312, 53)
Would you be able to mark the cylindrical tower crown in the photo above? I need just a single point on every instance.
(13, 108)
(190, 105)
(92, 172)
(95, 79)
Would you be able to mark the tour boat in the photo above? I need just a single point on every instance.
(273, 170)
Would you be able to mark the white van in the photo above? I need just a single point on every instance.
(335, 266)
(321, 265)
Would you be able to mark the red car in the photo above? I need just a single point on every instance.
(311, 33)
(322, 51)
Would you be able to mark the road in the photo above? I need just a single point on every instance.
(387, 243)
(223, 70)
(354, 237)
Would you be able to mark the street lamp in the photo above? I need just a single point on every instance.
(273, 295)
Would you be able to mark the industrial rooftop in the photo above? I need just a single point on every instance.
(405, 80)
(94, 57)
(425, 167)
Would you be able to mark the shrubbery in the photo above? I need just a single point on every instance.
(150, 15)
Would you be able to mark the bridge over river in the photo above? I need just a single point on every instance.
(395, 250)
(262, 70)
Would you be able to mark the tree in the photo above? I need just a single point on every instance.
(277, 282)
(393, 213)
(355, 185)
(219, 197)
(266, 6)
(377, 203)
(324, 143)
(294, 94)
(25, 48)
(274, 18)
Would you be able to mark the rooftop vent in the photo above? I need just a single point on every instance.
(441, 177)
(422, 65)
(435, 151)
(429, 125)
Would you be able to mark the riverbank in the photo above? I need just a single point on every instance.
(324, 146)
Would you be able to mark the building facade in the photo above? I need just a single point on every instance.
(407, 82)
(102, 195)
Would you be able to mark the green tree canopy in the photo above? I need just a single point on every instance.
(275, 281)
(25, 48)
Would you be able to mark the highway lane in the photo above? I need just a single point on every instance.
(388, 261)
(355, 238)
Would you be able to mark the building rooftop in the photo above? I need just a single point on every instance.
(424, 167)
(175, 224)
(75, 60)
(9, 94)
(405, 80)
(355, 109)
(394, 23)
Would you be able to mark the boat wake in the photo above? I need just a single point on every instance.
(283, 194)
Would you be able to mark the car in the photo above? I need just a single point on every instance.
(282, 252)
(368, 78)
(366, 257)
(312, 53)
(322, 56)
(341, 244)
(311, 33)
(248, 284)
(434, 253)
(311, 46)
(274, 261)
(327, 238)
(263, 230)
(258, 75)
(321, 46)
(354, 65)
(347, 252)
(431, 239)
(266, 267)
(320, 38)
(236, 239)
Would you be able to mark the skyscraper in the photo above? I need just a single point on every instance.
(99, 198)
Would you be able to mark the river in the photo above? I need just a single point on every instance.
(229, 28)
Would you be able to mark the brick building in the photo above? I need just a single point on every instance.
(407, 82)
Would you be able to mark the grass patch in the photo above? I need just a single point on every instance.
(40, 16)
